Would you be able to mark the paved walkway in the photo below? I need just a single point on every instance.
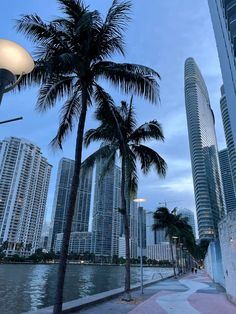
(192, 294)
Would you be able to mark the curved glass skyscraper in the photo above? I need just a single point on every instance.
(204, 153)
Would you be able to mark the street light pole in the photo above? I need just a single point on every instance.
(141, 245)
(11, 120)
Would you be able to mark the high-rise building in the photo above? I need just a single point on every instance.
(226, 174)
(61, 200)
(80, 242)
(228, 135)
(106, 226)
(207, 181)
(187, 213)
(24, 182)
(224, 25)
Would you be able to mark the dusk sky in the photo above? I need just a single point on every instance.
(162, 34)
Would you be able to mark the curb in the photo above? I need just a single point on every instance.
(85, 302)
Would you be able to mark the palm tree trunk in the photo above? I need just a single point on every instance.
(70, 213)
(172, 256)
(127, 295)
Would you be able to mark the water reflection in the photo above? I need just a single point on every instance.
(28, 287)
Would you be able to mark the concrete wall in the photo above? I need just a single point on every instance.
(227, 235)
(213, 263)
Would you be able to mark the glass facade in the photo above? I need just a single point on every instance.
(207, 181)
(226, 174)
(223, 15)
(24, 182)
(61, 200)
(106, 227)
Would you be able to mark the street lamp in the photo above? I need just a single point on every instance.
(176, 255)
(139, 201)
(14, 61)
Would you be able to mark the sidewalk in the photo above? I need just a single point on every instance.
(191, 294)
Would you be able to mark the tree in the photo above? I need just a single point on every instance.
(73, 54)
(118, 132)
(175, 226)
(164, 219)
(20, 246)
(201, 249)
(4, 245)
(28, 247)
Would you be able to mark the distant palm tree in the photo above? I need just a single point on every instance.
(5, 245)
(175, 226)
(119, 132)
(72, 58)
(28, 247)
(166, 220)
(19, 246)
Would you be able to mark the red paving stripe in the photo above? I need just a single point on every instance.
(212, 303)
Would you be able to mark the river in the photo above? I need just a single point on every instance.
(29, 287)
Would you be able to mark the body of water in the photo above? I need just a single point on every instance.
(29, 287)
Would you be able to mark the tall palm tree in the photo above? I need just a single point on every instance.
(119, 132)
(73, 55)
(175, 226)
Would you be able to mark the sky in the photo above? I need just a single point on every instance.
(162, 35)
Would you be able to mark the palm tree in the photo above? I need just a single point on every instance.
(5, 245)
(175, 226)
(72, 55)
(166, 220)
(118, 132)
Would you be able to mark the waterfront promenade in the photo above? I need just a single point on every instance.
(190, 294)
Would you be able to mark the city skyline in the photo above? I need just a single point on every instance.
(177, 188)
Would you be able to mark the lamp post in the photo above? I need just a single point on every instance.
(176, 255)
(139, 201)
(15, 61)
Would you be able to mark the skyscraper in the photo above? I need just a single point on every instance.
(208, 188)
(224, 25)
(61, 199)
(106, 227)
(228, 135)
(24, 182)
(187, 213)
(230, 199)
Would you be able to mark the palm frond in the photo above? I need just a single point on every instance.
(104, 103)
(73, 9)
(69, 112)
(55, 88)
(34, 27)
(148, 158)
(108, 113)
(110, 38)
(38, 31)
(108, 164)
(35, 78)
(99, 134)
(130, 78)
(101, 153)
(147, 131)
(118, 17)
